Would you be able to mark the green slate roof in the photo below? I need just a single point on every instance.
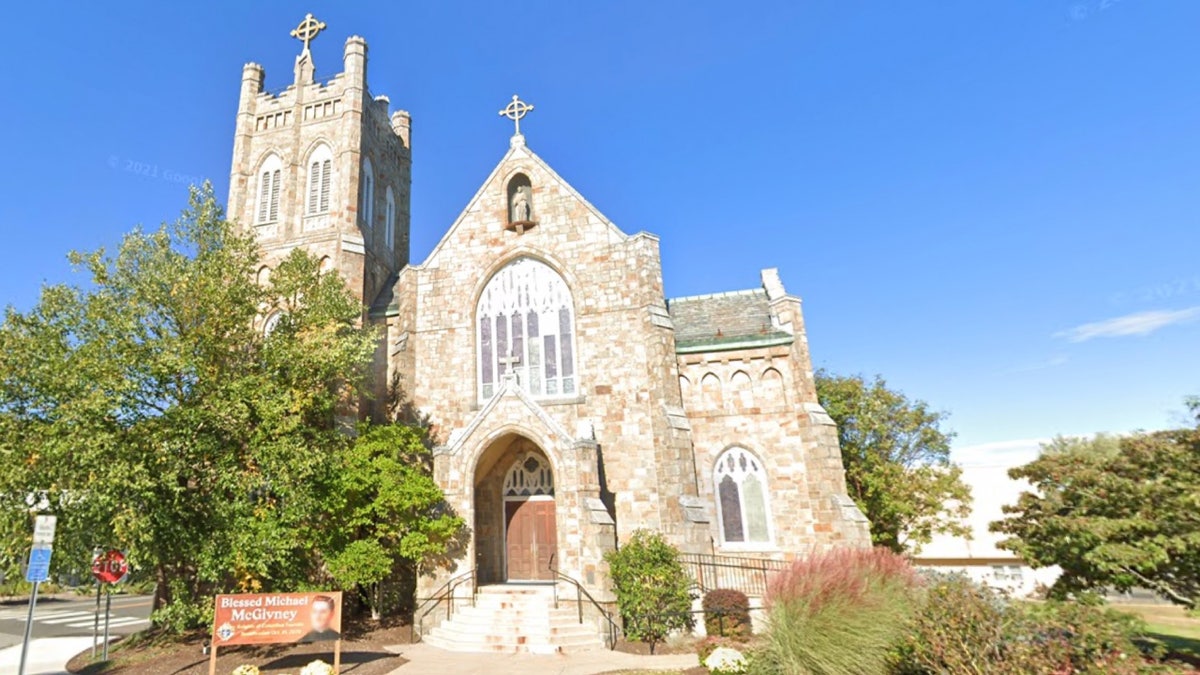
(721, 321)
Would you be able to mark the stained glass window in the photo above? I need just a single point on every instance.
(741, 487)
(525, 322)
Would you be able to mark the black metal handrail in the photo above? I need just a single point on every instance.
(748, 575)
(446, 593)
(612, 629)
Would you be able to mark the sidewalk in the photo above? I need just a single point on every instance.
(425, 659)
(47, 656)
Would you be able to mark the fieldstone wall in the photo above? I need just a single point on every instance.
(764, 399)
(624, 361)
(290, 124)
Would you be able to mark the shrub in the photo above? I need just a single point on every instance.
(837, 612)
(182, 613)
(959, 628)
(651, 585)
(727, 613)
(962, 627)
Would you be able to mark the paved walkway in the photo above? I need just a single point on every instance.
(47, 656)
(425, 659)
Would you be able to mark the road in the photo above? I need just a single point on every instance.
(67, 616)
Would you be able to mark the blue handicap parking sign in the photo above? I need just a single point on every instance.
(39, 564)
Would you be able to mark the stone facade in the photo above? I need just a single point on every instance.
(641, 395)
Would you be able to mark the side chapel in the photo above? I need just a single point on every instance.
(573, 402)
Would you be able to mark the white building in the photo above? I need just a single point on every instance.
(985, 470)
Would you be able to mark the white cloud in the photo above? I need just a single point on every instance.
(999, 454)
(1138, 323)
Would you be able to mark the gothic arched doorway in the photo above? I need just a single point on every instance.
(516, 533)
(530, 530)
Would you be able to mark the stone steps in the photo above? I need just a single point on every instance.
(515, 619)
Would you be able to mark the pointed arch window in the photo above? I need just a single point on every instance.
(740, 483)
(530, 476)
(367, 208)
(525, 325)
(272, 322)
(268, 191)
(389, 220)
(320, 179)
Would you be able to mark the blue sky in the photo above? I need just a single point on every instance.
(994, 205)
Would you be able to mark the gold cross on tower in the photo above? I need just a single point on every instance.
(515, 111)
(308, 29)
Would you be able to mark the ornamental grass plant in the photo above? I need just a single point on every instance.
(836, 613)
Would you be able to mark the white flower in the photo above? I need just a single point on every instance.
(317, 668)
(246, 670)
(726, 661)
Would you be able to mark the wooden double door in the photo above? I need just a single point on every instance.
(530, 539)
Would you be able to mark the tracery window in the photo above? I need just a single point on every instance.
(320, 179)
(530, 476)
(367, 208)
(272, 323)
(389, 220)
(525, 325)
(741, 488)
(268, 191)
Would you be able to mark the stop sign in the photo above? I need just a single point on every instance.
(110, 567)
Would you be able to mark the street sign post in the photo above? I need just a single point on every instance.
(39, 564)
(37, 572)
(109, 567)
(43, 530)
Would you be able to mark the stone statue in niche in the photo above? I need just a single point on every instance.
(522, 208)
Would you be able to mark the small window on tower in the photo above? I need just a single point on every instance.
(389, 220)
(367, 208)
(268, 191)
(320, 180)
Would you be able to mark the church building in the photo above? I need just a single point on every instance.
(572, 402)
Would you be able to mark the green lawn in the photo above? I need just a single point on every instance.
(1169, 624)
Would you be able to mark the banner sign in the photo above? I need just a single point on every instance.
(269, 618)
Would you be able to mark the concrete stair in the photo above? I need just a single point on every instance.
(513, 618)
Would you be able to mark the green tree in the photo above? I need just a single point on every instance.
(388, 515)
(897, 461)
(148, 410)
(1113, 512)
(652, 587)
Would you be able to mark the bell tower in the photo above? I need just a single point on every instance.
(324, 165)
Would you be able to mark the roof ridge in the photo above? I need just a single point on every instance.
(725, 294)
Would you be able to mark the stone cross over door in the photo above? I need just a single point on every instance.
(530, 531)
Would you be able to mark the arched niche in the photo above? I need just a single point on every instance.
(520, 203)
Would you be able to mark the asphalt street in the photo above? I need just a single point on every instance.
(72, 616)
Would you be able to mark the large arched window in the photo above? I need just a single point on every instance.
(389, 220)
(320, 179)
(367, 208)
(526, 328)
(268, 190)
(741, 487)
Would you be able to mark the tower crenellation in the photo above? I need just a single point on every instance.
(321, 165)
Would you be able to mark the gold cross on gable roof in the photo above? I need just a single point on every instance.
(515, 111)
(308, 29)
